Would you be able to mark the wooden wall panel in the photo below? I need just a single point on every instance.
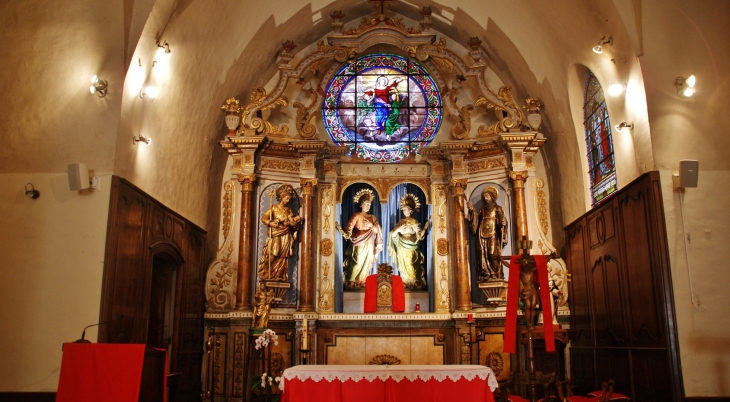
(644, 290)
(625, 287)
(581, 325)
(141, 231)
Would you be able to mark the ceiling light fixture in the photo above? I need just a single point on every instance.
(31, 192)
(685, 86)
(616, 89)
(606, 40)
(140, 138)
(151, 92)
(619, 127)
(165, 46)
(98, 86)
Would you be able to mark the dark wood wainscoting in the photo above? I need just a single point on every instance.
(152, 289)
(27, 396)
(623, 324)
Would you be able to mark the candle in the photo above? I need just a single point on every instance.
(470, 317)
(418, 307)
(305, 338)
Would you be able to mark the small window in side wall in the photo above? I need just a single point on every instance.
(599, 144)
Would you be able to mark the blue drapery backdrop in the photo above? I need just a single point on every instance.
(388, 215)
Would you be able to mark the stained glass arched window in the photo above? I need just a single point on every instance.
(383, 107)
(601, 166)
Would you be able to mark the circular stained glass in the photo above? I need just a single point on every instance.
(383, 107)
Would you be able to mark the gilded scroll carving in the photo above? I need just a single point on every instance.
(444, 296)
(325, 247)
(326, 208)
(280, 164)
(506, 105)
(557, 270)
(326, 293)
(219, 281)
(441, 207)
(259, 103)
(384, 360)
(442, 247)
(486, 164)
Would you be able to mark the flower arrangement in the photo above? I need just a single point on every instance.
(266, 385)
(264, 339)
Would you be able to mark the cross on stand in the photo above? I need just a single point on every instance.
(382, 4)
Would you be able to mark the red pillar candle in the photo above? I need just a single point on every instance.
(470, 317)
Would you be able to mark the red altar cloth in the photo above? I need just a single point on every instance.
(388, 384)
(103, 372)
(371, 297)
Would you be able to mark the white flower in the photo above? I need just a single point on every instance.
(277, 379)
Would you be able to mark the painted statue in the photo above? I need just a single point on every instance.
(282, 234)
(262, 306)
(490, 226)
(366, 241)
(403, 242)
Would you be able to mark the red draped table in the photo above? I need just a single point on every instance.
(388, 383)
(107, 372)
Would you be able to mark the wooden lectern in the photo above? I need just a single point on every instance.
(109, 372)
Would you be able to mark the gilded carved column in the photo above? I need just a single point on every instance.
(245, 246)
(518, 184)
(306, 280)
(461, 257)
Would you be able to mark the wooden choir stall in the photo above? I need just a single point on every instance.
(380, 197)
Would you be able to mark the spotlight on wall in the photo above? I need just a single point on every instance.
(616, 89)
(622, 125)
(31, 192)
(685, 86)
(98, 86)
(150, 92)
(606, 40)
(165, 46)
(140, 138)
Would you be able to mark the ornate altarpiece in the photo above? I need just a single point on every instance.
(460, 321)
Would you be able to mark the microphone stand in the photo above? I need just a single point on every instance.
(83, 333)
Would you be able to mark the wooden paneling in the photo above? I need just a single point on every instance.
(27, 396)
(622, 294)
(141, 233)
(581, 325)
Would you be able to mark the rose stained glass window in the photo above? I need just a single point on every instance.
(601, 166)
(383, 107)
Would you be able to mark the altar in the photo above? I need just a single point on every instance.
(467, 383)
(378, 167)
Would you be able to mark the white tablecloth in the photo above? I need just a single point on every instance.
(397, 373)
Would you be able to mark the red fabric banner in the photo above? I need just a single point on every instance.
(513, 291)
(547, 313)
(371, 291)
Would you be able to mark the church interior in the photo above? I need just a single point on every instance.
(258, 186)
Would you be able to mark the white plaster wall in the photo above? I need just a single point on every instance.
(51, 49)
(222, 48)
(682, 39)
(50, 274)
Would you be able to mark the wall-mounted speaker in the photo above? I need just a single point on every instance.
(78, 176)
(688, 173)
